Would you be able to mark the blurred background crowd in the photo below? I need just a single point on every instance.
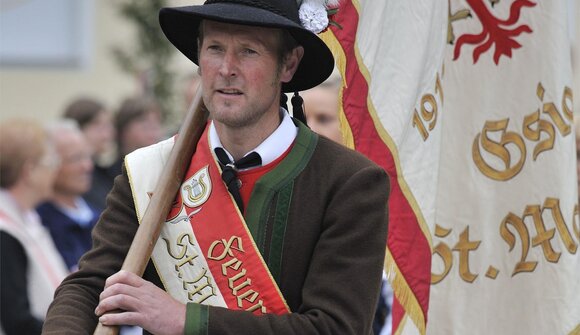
(83, 83)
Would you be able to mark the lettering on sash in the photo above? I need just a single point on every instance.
(200, 287)
(240, 284)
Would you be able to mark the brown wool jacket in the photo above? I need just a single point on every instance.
(329, 266)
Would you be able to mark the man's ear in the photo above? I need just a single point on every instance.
(291, 62)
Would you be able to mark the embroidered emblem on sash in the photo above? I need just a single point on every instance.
(196, 190)
(181, 215)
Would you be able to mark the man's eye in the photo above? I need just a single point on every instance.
(214, 48)
(249, 51)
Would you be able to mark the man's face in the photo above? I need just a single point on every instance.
(74, 175)
(142, 132)
(321, 111)
(43, 173)
(240, 73)
(100, 132)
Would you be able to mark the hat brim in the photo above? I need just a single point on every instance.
(181, 27)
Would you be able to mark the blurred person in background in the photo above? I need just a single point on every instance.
(68, 217)
(191, 85)
(96, 123)
(383, 322)
(321, 109)
(30, 265)
(138, 124)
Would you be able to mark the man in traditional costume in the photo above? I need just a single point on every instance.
(275, 230)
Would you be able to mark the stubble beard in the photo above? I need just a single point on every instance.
(242, 118)
(251, 115)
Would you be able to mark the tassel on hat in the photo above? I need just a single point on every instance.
(298, 108)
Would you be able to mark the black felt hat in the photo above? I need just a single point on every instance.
(181, 25)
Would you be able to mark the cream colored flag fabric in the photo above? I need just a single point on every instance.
(506, 238)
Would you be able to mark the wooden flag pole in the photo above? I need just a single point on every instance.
(167, 187)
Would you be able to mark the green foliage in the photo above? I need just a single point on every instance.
(148, 55)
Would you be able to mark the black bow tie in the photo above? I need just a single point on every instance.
(230, 171)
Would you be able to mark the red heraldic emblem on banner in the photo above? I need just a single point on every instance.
(495, 32)
(390, 55)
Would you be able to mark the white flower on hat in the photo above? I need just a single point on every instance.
(313, 14)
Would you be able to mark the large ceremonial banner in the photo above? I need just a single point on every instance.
(390, 54)
(506, 257)
(467, 104)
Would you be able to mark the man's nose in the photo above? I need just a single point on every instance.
(230, 64)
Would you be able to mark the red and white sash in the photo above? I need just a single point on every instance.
(205, 253)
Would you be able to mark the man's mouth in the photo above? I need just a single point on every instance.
(230, 91)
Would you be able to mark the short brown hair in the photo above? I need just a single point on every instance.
(132, 109)
(286, 45)
(83, 110)
(21, 141)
